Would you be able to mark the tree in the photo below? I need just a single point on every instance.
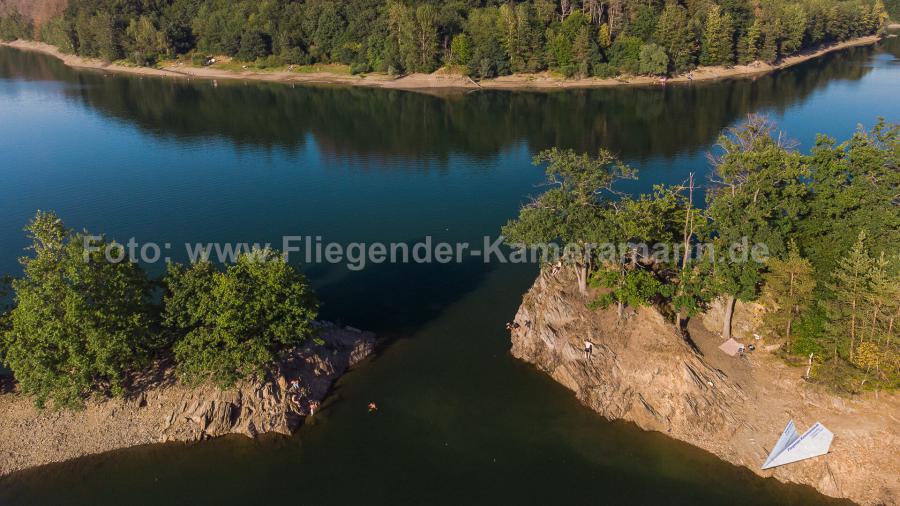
(488, 59)
(144, 42)
(853, 186)
(234, 322)
(416, 31)
(787, 292)
(460, 52)
(718, 38)
(654, 60)
(674, 32)
(573, 209)
(15, 26)
(748, 49)
(625, 54)
(756, 198)
(254, 44)
(81, 322)
(850, 286)
(632, 288)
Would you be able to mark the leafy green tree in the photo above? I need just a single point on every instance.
(460, 51)
(756, 199)
(632, 288)
(235, 322)
(654, 60)
(625, 54)
(574, 209)
(416, 32)
(787, 292)
(81, 322)
(144, 42)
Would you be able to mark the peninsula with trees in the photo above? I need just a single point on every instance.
(103, 357)
(820, 313)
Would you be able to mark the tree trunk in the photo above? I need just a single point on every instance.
(853, 330)
(787, 343)
(581, 274)
(729, 310)
(620, 309)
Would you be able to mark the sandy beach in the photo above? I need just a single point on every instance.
(441, 79)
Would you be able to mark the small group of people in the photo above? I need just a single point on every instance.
(510, 326)
(299, 394)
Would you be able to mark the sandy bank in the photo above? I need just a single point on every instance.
(162, 410)
(438, 80)
(736, 408)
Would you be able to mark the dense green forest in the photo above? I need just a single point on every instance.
(486, 38)
(829, 220)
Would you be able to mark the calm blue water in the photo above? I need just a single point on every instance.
(461, 421)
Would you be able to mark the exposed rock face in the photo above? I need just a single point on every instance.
(168, 411)
(640, 370)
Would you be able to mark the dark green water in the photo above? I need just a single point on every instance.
(460, 421)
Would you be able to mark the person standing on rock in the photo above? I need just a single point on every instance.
(588, 350)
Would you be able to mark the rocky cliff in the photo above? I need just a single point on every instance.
(642, 371)
(161, 409)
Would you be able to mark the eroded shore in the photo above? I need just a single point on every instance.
(642, 371)
(439, 79)
(159, 409)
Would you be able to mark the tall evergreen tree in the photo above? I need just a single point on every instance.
(787, 292)
(675, 33)
(718, 38)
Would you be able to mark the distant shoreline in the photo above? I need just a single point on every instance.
(439, 80)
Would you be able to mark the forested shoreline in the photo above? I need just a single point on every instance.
(483, 39)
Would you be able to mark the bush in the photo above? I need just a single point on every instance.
(604, 71)
(234, 322)
(199, 59)
(359, 68)
(268, 62)
(294, 56)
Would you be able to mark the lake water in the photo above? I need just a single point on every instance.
(461, 421)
